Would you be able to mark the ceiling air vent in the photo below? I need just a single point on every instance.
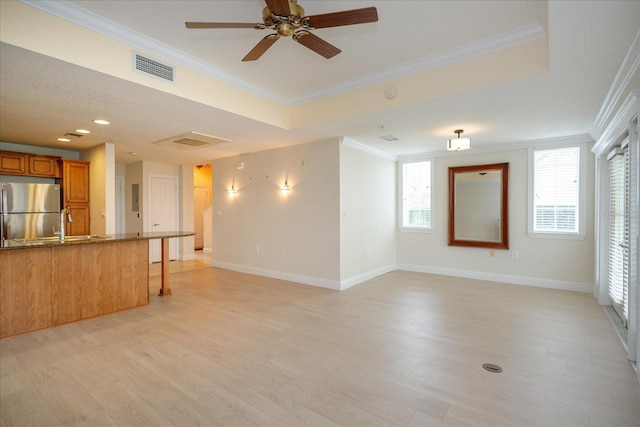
(191, 141)
(388, 138)
(153, 68)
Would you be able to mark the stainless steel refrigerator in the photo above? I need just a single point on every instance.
(29, 210)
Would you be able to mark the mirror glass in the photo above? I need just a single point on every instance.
(478, 201)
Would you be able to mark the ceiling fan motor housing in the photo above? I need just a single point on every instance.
(284, 25)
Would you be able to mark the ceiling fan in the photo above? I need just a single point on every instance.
(287, 18)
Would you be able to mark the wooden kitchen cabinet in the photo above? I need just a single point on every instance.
(43, 166)
(75, 196)
(12, 163)
(80, 224)
(75, 181)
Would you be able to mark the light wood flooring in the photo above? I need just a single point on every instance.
(404, 349)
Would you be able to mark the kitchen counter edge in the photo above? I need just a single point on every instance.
(107, 238)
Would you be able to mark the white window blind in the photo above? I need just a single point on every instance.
(416, 194)
(556, 188)
(619, 231)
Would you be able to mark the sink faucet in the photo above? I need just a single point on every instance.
(63, 211)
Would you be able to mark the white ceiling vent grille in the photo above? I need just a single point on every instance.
(389, 138)
(153, 68)
(191, 141)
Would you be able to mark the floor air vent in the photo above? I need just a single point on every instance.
(191, 141)
(153, 68)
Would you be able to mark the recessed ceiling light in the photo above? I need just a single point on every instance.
(83, 131)
(133, 153)
(64, 140)
(100, 122)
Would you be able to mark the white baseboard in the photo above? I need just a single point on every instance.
(503, 278)
(207, 250)
(298, 278)
(356, 280)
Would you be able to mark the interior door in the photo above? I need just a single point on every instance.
(200, 202)
(163, 213)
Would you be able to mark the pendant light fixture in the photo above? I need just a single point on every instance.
(457, 144)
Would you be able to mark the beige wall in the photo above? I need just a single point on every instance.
(260, 230)
(367, 215)
(558, 263)
(134, 219)
(102, 187)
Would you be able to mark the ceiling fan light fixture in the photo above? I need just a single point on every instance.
(458, 144)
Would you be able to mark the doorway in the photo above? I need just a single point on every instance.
(200, 202)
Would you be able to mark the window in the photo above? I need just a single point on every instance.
(556, 192)
(619, 231)
(416, 212)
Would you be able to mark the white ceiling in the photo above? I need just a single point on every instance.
(42, 97)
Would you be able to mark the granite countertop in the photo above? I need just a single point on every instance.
(91, 239)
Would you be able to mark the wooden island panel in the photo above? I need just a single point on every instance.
(100, 279)
(43, 287)
(25, 291)
(65, 294)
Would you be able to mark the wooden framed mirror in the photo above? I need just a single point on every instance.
(478, 206)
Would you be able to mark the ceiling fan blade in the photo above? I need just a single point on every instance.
(279, 7)
(261, 47)
(347, 17)
(316, 44)
(220, 25)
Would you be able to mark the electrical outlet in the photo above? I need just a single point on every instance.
(492, 253)
(257, 249)
(514, 254)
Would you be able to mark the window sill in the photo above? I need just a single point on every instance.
(416, 229)
(559, 236)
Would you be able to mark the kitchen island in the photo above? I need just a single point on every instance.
(46, 282)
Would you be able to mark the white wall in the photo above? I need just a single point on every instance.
(261, 230)
(555, 263)
(367, 215)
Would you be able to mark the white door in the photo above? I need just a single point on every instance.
(200, 201)
(163, 213)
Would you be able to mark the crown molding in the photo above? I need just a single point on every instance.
(358, 146)
(628, 70)
(470, 50)
(618, 125)
(77, 15)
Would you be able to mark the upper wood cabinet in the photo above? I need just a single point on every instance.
(75, 181)
(44, 166)
(12, 163)
(75, 196)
